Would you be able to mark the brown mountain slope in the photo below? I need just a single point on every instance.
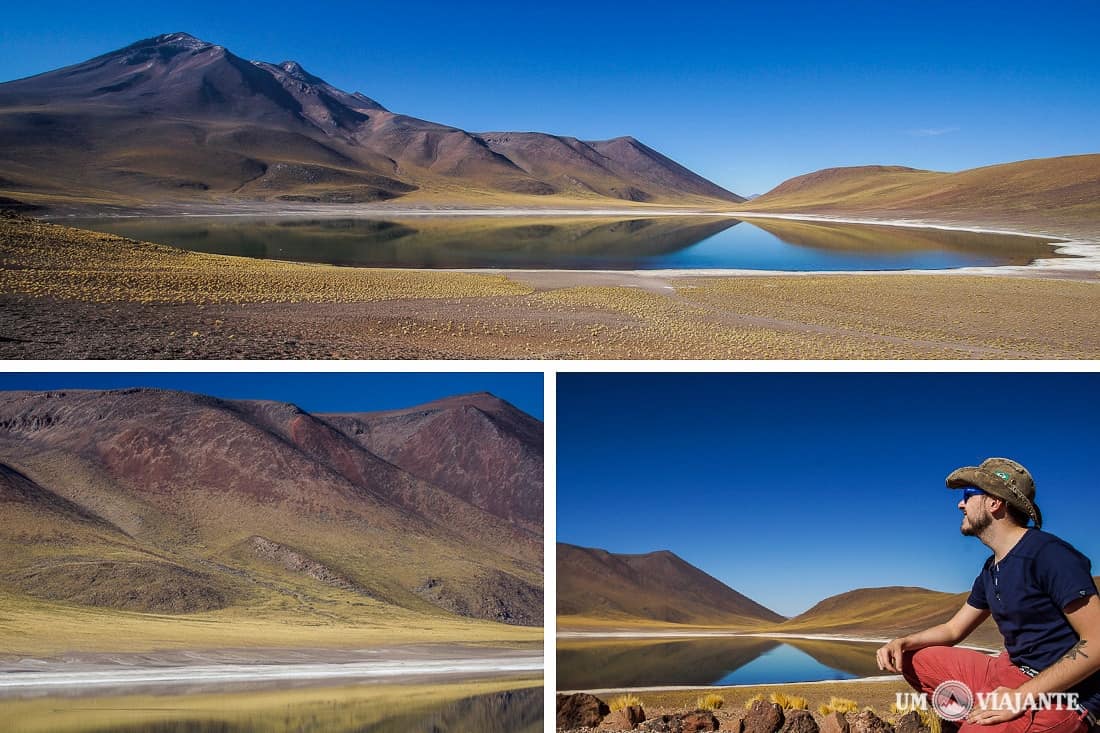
(1059, 192)
(656, 587)
(174, 119)
(252, 502)
(497, 468)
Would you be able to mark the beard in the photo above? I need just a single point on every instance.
(974, 527)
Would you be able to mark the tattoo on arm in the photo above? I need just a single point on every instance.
(1072, 653)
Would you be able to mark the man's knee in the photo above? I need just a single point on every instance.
(923, 668)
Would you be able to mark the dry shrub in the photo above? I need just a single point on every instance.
(789, 702)
(624, 701)
(711, 701)
(839, 705)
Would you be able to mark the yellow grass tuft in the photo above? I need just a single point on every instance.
(624, 701)
(758, 697)
(789, 702)
(927, 718)
(712, 701)
(839, 705)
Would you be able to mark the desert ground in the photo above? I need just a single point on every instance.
(73, 294)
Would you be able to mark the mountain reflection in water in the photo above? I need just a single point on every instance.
(591, 242)
(592, 664)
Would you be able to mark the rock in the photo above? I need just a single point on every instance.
(734, 725)
(580, 710)
(868, 722)
(799, 721)
(835, 722)
(763, 717)
(627, 718)
(663, 724)
(911, 723)
(700, 720)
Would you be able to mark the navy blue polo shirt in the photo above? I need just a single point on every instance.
(1026, 593)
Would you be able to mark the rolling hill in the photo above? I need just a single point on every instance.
(174, 120)
(1057, 194)
(891, 611)
(161, 502)
(655, 588)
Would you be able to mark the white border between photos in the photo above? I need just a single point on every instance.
(549, 370)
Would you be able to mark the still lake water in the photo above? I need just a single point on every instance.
(318, 710)
(582, 243)
(611, 663)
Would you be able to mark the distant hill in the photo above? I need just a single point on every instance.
(656, 587)
(175, 120)
(889, 611)
(169, 502)
(1046, 192)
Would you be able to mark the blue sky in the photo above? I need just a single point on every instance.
(745, 93)
(313, 392)
(794, 487)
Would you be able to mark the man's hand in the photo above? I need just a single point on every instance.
(1000, 707)
(889, 656)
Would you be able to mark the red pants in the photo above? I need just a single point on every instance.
(927, 668)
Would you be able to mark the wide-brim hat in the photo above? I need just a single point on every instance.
(1003, 478)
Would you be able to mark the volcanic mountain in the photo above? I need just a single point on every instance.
(1058, 194)
(169, 502)
(174, 119)
(657, 587)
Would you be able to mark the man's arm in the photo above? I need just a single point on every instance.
(1078, 663)
(950, 633)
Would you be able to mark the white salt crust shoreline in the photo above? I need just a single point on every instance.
(732, 634)
(393, 669)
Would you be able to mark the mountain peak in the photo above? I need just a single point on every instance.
(180, 40)
(294, 69)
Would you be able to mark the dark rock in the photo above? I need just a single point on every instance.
(763, 717)
(627, 718)
(911, 723)
(580, 710)
(835, 722)
(799, 721)
(868, 722)
(700, 720)
(663, 724)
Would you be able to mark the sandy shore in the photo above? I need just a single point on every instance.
(73, 294)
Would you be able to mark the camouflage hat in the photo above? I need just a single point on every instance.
(1003, 478)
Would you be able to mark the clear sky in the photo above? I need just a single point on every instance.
(746, 93)
(794, 487)
(313, 392)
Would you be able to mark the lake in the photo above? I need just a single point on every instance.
(600, 663)
(367, 708)
(582, 243)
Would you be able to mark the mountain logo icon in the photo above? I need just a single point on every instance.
(952, 700)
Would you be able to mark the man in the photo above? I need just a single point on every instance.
(1044, 601)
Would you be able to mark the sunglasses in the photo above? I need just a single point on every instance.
(970, 491)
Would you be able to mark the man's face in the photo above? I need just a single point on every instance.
(976, 516)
